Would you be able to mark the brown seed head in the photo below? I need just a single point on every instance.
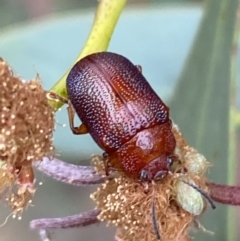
(124, 203)
(26, 129)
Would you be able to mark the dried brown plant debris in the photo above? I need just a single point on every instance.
(26, 129)
(127, 204)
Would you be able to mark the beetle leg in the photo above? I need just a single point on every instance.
(139, 67)
(76, 130)
(111, 164)
(53, 96)
(145, 187)
(106, 163)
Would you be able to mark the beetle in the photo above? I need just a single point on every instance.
(123, 114)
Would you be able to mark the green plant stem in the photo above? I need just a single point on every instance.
(105, 20)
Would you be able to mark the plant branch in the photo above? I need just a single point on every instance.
(44, 235)
(106, 18)
(79, 220)
(69, 173)
(225, 194)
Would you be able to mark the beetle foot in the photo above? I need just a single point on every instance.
(53, 96)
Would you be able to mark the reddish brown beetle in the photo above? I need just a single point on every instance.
(123, 114)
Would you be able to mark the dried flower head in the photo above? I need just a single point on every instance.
(26, 129)
(126, 204)
(167, 208)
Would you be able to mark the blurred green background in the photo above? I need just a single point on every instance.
(45, 37)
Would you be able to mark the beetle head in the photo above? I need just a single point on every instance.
(156, 169)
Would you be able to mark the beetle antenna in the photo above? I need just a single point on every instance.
(204, 194)
(154, 219)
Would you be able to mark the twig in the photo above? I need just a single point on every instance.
(225, 194)
(79, 220)
(69, 173)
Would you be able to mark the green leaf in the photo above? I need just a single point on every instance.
(201, 102)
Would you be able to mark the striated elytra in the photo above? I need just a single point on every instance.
(123, 114)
